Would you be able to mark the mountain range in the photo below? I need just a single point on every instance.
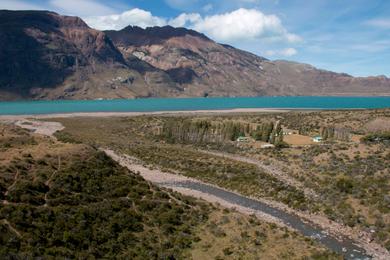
(44, 55)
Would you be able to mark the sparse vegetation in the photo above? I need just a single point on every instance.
(66, 200)
(381, 137)
(242, 177)
(351, 177)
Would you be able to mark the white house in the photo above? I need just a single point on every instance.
(266, 146)
(243, 139)
(317, 139)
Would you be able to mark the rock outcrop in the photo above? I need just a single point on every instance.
(44, 55)
(202, 66)
(47, 56)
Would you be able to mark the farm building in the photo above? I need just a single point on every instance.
(266, 146)
(289, 131)
(317, 139)
(243, 139)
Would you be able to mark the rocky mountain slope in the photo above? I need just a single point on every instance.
(47, 56)
(204, 66)
(196, 62)
(44, 55)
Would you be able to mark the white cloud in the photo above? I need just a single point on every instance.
(244, 24)
(293, 38)
(380, 22)
(241, 25)
(207, 7)
(185, 19)
(17, 5)
(81, 7)
(288, 52)
(372, 46)
(118, 21)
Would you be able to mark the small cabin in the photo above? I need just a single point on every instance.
(267, 146)
(289, 131)
(317, 139)
(243, 139)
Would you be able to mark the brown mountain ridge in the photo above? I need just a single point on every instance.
(44, 55)
(47, 56)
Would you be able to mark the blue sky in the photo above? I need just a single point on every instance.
(351, 36)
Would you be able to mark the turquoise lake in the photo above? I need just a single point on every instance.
(186, 104)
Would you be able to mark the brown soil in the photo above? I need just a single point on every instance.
(296, 139)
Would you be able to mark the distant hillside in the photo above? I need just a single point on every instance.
(204, 66)
(44, 55)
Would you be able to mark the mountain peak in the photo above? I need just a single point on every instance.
(164, 32)
(47, 55)
(137, 36)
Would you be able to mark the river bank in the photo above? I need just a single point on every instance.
(229, 199)
(261, 208)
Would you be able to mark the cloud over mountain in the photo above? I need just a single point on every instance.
(239, 25)
(134, 16)
(288, 52)
(244, 24)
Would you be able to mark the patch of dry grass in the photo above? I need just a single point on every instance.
(202, 230)
(230, 235)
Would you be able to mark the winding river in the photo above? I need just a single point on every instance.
(343, 246)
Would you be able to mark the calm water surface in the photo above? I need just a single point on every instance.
(186, 104)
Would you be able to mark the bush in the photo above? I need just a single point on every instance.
(376, 137)
(344, 184)
(97, 209)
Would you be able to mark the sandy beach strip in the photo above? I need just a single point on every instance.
(128, 114)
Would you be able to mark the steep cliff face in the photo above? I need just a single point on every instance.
(202, 66)
(196, 62)
(45, 55)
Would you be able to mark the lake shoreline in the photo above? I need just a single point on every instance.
(171, 113)
(129, 114)
(66, 108)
